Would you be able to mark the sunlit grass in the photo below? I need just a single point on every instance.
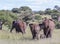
(18, 38)
(4, 34)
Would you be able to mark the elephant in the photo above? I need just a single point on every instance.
(35, 30)
(20, 26)
(49, 26)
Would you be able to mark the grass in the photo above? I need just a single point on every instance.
(5, 34)
(17, 38)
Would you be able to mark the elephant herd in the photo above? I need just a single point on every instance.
(47, 26)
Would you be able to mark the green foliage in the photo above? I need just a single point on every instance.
(55, 16)
(23, 8)
(27, 18)
(15, 10)
(8, 17)
(48, 11)
(26, 14)
(57, 24)
(38, 17)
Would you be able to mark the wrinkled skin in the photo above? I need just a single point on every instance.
(48, 27)
(20, 26)
(35, 30)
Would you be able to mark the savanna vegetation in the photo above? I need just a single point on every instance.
(26, 14)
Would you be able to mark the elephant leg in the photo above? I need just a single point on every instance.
(34, 36)
(49, 34)
(37, 36)
(46, 34)
(11, 29)
(22, 30)
(44, 30)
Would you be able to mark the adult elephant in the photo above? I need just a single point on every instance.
(35, 30)
(49, 25)
(19, 25)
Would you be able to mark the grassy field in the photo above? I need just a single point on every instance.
(17, 38)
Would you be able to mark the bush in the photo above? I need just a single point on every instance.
(57, 25)
(8, 17)
(38, 17)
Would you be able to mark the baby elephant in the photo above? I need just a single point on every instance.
(35, 30)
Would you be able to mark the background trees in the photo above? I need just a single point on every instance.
(26, 14)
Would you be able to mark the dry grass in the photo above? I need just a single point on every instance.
(17, 38)
(48, 16)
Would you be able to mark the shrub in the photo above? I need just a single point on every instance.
(8, 17)
(57, 25)
(37, 17)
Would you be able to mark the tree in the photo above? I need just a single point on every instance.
(15, 10)
(57, 8)
(24, 8)
(26, 13)
(48, 11)
(41, 12)
(7, 16)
